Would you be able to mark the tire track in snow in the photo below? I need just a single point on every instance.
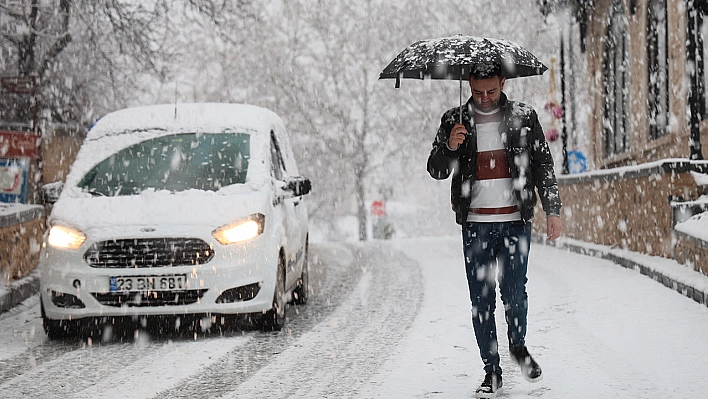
(36, 356)
(151, 374)
(340, 354)
(47, 368)
(384, 305)
(24, 344)
(362, 307)
(115, 370)
(334, 272)
(67, 373)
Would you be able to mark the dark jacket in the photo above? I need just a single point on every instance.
(529, 157)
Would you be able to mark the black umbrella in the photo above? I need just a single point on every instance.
(453, 58)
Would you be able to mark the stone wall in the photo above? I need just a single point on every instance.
(692, 252)
(626, 207)
(21, 233)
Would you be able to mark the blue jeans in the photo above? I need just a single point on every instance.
(488, 247)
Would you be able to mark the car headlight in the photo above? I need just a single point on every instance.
(241, 230)
(65, 237)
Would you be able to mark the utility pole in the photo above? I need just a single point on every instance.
(564, 134)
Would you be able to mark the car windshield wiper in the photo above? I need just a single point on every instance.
(95, 193)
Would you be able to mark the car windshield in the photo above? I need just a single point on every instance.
(177, 162)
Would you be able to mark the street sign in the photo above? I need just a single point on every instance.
(378, 208)
(19, 84)
(19, 145)
(13, 180)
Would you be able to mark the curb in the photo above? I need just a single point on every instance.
(17, 291)
(668, 272)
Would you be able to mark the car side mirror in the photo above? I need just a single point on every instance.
(298, 185)
(51, 191)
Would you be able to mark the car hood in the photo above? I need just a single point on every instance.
(155, 208)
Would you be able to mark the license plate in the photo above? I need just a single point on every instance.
(148, 283)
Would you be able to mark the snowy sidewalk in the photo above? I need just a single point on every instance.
(672, 274)
(597, 330)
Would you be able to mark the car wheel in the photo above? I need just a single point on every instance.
(274, 319)
(303, 286)
(57, 329)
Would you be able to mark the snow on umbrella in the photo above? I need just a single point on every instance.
(453, 58)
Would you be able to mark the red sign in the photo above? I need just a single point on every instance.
(378, 208)
(19, 145)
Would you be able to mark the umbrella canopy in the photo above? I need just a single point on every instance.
(453, 58)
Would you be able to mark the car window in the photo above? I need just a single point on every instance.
(277, 165)
(176, 162)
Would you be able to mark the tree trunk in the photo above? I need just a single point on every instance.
(361, 205)
(362, 160)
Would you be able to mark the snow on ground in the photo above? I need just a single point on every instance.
(438, 358)
(151, 380)
(597, 329)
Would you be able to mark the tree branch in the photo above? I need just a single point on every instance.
(62, 41)
(10, 12)
(53, 52)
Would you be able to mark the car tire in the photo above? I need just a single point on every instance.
(274, 319)
(58, 329)
(300, 293)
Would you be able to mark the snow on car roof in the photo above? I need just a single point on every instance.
(196, 117)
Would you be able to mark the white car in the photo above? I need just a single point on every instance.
(187, 209)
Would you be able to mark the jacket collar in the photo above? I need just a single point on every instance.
(468, 114)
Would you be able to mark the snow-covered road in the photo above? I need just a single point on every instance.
(392, 320)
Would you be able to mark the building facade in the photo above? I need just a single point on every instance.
(647, 121)
(647, 69)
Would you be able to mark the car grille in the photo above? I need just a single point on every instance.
(144, 299)
(148, 252)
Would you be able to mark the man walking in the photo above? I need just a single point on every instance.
(497, 157)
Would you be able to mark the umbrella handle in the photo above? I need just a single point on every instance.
(460, 96)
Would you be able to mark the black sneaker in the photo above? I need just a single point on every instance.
(529, 368)
(490, 386)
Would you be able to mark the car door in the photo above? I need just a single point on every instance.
(284, 208)
(300, 226)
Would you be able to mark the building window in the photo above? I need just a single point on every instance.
(658, 68)
(616, 81)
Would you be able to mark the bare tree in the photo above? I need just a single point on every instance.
(316, 63)
(92, 56)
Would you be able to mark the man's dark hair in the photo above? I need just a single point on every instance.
(485, 70)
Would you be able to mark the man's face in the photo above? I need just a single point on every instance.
(486, 92)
